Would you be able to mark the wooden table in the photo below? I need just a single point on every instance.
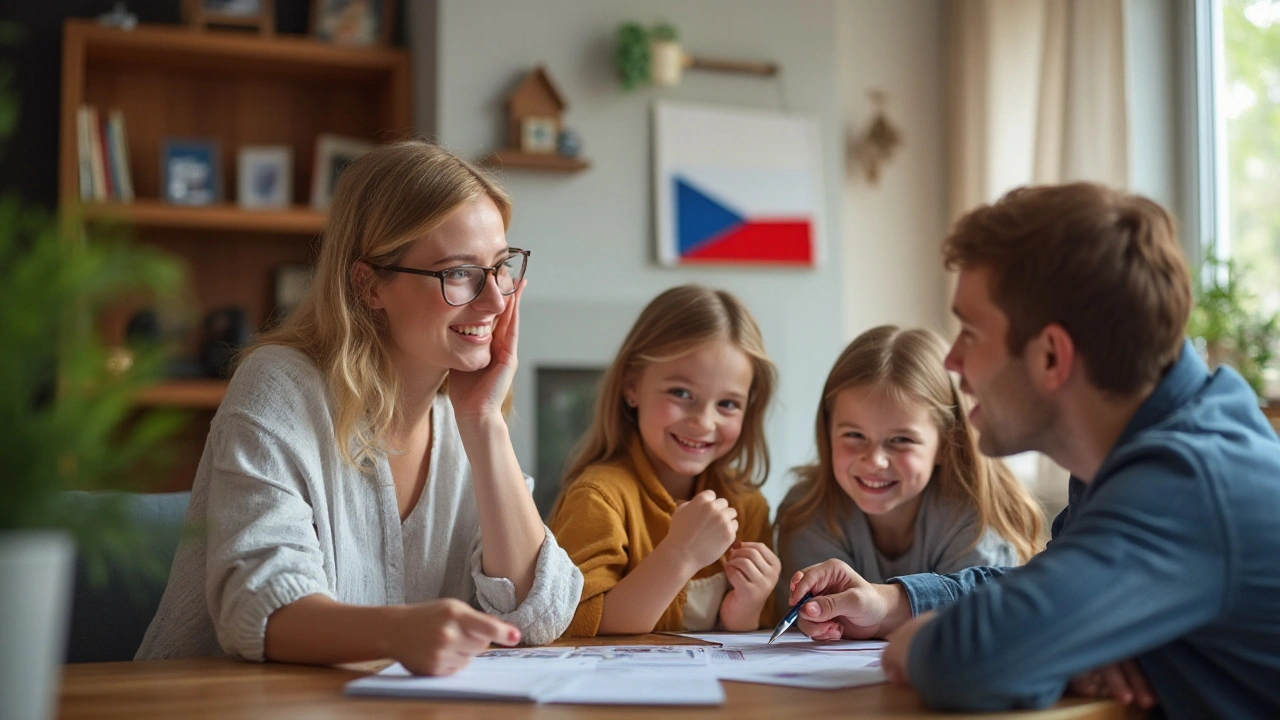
(225, 688)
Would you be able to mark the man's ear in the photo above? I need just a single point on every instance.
(364, 282)
(1053, 357)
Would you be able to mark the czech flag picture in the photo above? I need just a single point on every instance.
(735, 186)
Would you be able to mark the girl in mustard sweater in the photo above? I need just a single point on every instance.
(661, 509)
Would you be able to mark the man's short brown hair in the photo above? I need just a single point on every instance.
(1103, 264)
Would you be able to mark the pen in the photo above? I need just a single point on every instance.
(789, 618)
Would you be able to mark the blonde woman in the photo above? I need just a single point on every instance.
(899, 486)
(358, 494)
(661, 508)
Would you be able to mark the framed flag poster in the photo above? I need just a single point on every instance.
(735, 186)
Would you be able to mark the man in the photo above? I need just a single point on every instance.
(1163, 577)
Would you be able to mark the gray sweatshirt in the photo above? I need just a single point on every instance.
(278, 516)
(943, 543)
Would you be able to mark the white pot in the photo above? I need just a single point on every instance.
(666, 61)
(35, 610)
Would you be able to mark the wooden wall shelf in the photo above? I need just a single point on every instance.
(203, 394)
(157, 214)
(514, 159)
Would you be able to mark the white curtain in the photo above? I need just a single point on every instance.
(1038, 94)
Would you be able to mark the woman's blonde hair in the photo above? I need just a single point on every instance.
(907, 365)
(674, 324)
(384, 202)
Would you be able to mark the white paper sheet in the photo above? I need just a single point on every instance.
(617, 675)
(795, 661)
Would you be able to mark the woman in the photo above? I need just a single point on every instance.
(359, 493)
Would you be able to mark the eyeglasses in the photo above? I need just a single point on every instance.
(464, 283)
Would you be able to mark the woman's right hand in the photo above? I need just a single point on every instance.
(702, 529)
(441, 637)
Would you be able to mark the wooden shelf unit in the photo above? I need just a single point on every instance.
(172, 82)
(236, 89)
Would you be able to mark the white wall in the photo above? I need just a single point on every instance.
(591, 233)
(893, 231)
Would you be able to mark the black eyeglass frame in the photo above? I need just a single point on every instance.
(439, 274)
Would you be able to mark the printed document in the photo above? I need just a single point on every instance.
(617, 675)
(794, 660)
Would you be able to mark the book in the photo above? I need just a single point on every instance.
(96, 164)
(119, 156)
(84, 153)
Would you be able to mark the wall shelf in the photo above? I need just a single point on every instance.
(514, 159)
(146, 212)
(203, 394)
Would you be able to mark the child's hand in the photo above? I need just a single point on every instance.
(752, 570)
(702, 529)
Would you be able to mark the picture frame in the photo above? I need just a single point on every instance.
(191, 172)
(353, 22)
(265, 176)
(333, 154)
(538, 134)
(292, 282)
(257, 15)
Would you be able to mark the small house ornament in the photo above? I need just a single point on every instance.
(536, 136)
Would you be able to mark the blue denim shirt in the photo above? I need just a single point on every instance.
(1170, 556)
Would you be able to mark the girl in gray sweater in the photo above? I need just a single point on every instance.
(899, 486)
(359, 497)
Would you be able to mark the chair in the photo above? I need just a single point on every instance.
(109, 618)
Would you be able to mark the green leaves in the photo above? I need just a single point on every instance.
(66, 420)
(631, 57)
(1226, 316)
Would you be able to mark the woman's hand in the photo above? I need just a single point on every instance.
(752, 570)
(480, 394)
(441, 637)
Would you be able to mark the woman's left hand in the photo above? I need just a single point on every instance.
(480, 393)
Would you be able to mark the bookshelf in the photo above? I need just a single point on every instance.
(170, 82)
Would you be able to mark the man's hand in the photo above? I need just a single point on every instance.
(898, 652)
(1123, 681)
(845, 605)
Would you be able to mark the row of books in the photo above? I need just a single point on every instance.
(103, 156)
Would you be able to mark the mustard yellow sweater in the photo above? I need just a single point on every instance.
(610, 518)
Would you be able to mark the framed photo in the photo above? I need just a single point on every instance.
(352, 22)
(190, 171)
(265, 176)
(292, 283)
(333, 154)
(538, 134)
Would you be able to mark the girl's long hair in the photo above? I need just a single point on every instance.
(908, 366)
(673, 325)
(384, 202)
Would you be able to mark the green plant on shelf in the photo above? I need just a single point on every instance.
(1228, 323)
(632, 55)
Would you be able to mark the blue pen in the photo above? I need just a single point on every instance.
(789, 618)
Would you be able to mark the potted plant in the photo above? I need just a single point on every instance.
(1228, 324)
(66, 421)
(648, 55)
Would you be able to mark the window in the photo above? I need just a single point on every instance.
(1246, 103)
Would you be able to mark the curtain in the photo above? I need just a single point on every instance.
(1037, 94)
